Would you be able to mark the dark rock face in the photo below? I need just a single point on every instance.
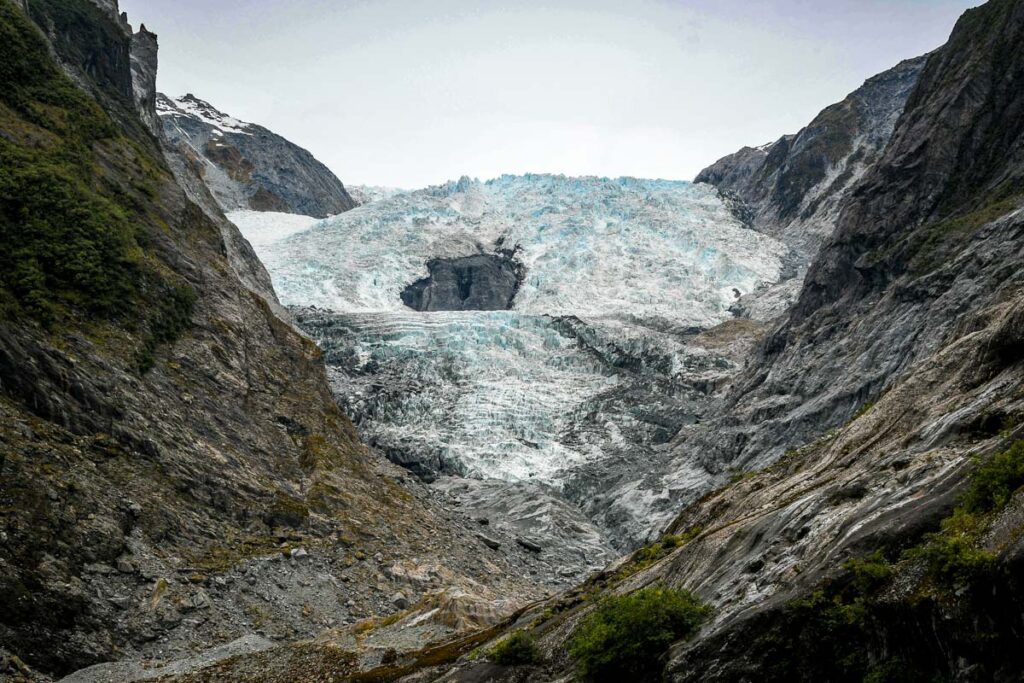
(793, 188)
(90, 40)
(483, 282)
(913, 257)
(247, 166)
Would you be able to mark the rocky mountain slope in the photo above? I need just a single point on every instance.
(175, 472)
(866, 465)
(247, 166)
(793, 188)
(847, 498)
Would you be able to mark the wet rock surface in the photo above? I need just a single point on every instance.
(484, 282)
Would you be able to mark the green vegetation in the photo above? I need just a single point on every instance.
(994, 482)
(72, 229)
(62, 241)
(829, 635)
(864, 410)
(626, 637)
(286, 511)
(172, 317)
(519, 648)
(953, 554)
(737, 474)
(650, 554)
(938, 237)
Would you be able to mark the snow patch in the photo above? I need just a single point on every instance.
(191, 106)
(263, 228)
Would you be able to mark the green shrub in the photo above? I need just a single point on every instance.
(952, 554)
(626, 637)
(869, 573)
(994, 482)
(519, 648)
(169, 320)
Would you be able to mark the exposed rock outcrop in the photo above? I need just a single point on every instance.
(484, 282)
(144, 50)
(247, 166)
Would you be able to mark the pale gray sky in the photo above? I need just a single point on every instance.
(410, 93)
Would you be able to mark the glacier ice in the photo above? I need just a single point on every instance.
(591, 247)
(592, 361)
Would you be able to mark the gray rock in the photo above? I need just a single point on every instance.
(529, 545)
(488, 541)
(793, 188)
(246, 166)
(144, 65)
(200, 600)
(484, 282)
(400, 601)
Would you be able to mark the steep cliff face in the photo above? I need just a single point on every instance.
(175, 472)
(925, 241)
(144, 48)
(246, 166)
(793, 188)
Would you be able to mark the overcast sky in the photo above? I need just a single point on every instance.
(411, 93)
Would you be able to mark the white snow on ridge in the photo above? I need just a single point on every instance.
(591, 247)
(189, 105)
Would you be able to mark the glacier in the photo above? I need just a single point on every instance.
(591, 247)
(596, 360)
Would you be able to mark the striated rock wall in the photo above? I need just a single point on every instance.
(144, 50)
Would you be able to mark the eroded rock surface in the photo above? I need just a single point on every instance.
(483, 282)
